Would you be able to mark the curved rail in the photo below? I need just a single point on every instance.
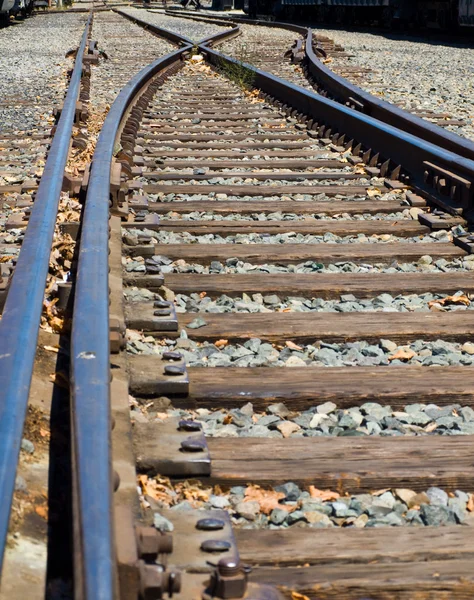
(411, 152)
(21, 317)
(341, 90)
(349, 94)
(90, 361)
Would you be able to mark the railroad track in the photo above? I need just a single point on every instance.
(285, 274)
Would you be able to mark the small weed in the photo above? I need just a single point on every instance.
(237, 71)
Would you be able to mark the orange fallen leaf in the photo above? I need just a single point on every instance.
(298, 596)
(293, 346)
(42, 511)
(268, 499)
(470, 503)
(221, 343)
(402, 354)
(323, 494)
(202, 294)
(462, 299)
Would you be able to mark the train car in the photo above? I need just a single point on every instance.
(430, 14)
(6, 7)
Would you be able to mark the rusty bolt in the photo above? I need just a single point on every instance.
(151, 542)
(147, 542)
(154, 582)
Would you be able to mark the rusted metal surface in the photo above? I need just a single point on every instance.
(446, 176)
(21, 318)
(90, 370)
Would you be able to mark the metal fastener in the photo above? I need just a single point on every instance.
(215, 546)
(161, 304)
(162, 312)
(186, 425)
(193, 445)
(172, 355)
(174, 370)
(210, 524)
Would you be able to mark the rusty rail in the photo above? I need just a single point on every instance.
(341, 90)
(20, 322)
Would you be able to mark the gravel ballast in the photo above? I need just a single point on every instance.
(412, 73)
(194, 30)
(287, 505)
(33, 67)
(124, 59)
(324, 419)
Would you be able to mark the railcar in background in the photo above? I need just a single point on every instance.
(431, 14)
(14, 8)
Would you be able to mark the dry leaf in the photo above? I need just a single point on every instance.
(42, 511)
(470, 503)
(462, 299)
(298, 596)
(268, 499)
(221, 343)
(374, 192)
(323, 494)
(402, 354)
(293, 346)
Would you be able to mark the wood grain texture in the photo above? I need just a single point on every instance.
(339, 327)
(298, 546)
(438, 580)
(298, 253)
(302, 207)
(346, 464)
(258, 190)
(320, 285)
(302, 387)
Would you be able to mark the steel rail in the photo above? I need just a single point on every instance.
(345, 92)
(90, 362)
(349, 94)
(20, 322)
(402, 148)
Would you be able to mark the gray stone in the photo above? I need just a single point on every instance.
(27, 446)
(437, 496)
(326, 408)
(248, 510)
(291, 490)
(197, 323)
(278, 516)
(295, 516)
(162, 523)
(436, 515)
(20, 484)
